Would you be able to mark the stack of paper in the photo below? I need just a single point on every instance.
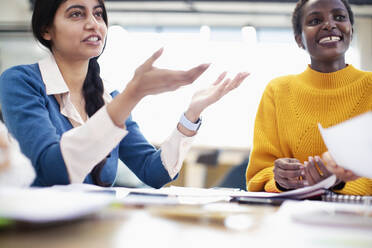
(350, 144)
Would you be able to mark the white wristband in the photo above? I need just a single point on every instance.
(188, 124)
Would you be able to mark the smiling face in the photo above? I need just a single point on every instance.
(326, 30)
(78, 30)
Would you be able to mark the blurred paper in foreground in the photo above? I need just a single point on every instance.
(350, 144)
(45, 205)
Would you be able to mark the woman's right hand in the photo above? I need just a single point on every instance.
(288, 173)
(149, 80)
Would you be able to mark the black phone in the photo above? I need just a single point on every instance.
(275, 201)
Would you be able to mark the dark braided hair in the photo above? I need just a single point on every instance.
(297, 15)
(93, 96)
(42, 18)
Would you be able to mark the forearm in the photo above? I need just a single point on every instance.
(193, 116)
(361, 186)
(262, 180)
(146, 162)
(94, 145)
(122, 105)
(174, 151)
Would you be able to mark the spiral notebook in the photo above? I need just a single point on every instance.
(330, 196)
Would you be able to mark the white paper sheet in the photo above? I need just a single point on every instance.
(341, 227)
(350, 144)
(225, 194)
(310, 191)
(47, 205)
(201, 192)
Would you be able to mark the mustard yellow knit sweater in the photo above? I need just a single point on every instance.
(287, 117)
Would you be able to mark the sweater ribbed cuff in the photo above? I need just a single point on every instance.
(339, 186)
(280, 187)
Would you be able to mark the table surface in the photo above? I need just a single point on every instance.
(159, 226)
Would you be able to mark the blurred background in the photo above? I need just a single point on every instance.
(254, 36)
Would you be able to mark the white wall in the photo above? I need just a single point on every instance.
(263, 61)
(17, 14)
(363, 33)
(15, 11)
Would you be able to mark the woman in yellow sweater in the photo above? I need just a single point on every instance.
(287, 143)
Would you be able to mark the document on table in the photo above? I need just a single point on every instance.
(44, 205)
(202, 194)
(319, 224)
(330, 213)
(350, 144)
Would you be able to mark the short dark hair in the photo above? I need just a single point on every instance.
(43, 16)
(297, 15)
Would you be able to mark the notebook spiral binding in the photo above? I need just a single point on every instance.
(330, 196)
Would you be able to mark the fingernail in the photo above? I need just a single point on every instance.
(302, 173)
(160, 50)
(306, 183)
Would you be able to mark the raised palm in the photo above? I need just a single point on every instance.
(149, 80)
(205, 97)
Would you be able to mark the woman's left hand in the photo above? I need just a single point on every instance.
(342, 174)
(206, 97)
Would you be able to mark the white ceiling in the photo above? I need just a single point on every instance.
(208, 13)
(17, 13)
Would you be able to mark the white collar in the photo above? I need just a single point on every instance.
(56, 85)
(52, 77)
